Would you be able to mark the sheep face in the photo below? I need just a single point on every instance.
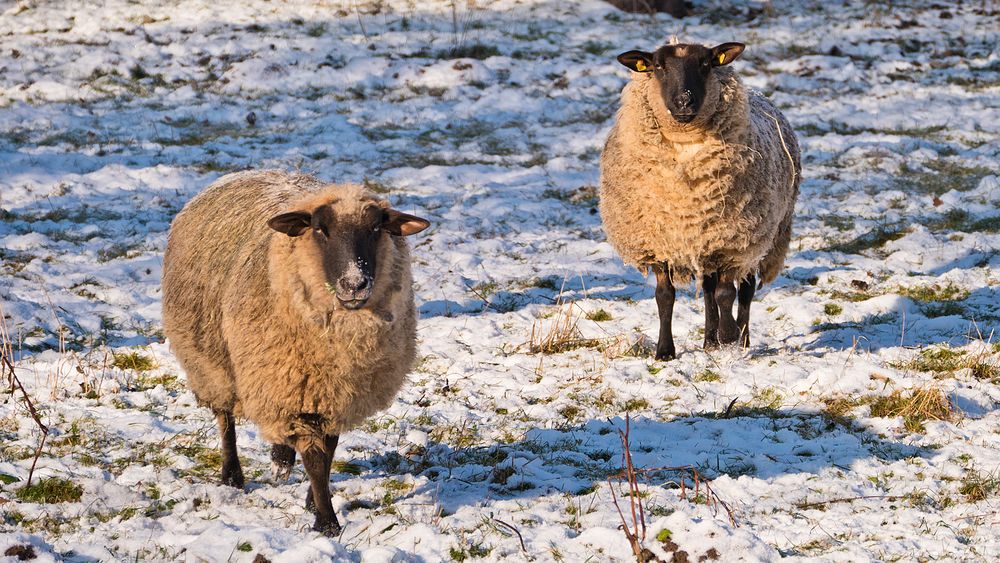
(338, 245)
(683, 76)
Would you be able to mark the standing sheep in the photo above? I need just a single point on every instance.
(290, 302)
(698, 181)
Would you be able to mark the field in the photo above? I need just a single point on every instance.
(861, 425)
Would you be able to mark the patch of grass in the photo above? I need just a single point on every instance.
(599, 315)
(634, 404)
(596, 47)
(707, 375)
(51, 490)
(840, 222)
(346, 467)
(934, 292)
(245, 547)
(471, 51)
(571, 412)
(561, 335)
(943, 309)
(942, 360)
(832, 309)
(941, 175)
(873, 239)
(976, 486)
(547, 282)
(915, 407)
(133, 361)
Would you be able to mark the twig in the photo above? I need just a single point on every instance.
(631, 533)
(515, 530)
(7, 364)
(712, 499)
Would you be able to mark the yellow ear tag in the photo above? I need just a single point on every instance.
(640, 66)
(722, 59)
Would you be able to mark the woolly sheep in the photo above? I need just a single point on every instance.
(698, 181)
(289, 301)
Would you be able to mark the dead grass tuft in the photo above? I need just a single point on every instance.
(560, 335)
(915, 407)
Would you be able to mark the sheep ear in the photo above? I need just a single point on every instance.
(292, 224)
(726, 53)
(402, 224)
(638, 61)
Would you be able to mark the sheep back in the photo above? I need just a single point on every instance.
(243, 324)
(717, 198)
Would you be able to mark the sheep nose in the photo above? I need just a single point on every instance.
(353, 291)
(350, 285)
(683, 100)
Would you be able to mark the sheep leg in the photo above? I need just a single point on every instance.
(317, 462)
(747, 288)
(232, 473)
(708, 285)
(282, 461)
(725, 296)
(665, 293)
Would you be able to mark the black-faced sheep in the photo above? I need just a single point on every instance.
(698, 181)
(289, 301)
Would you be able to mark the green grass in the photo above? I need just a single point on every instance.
(707, 376)
(941, 175)
(934, 292)
(873, 239)
(635, 404)
(599, 315)
(51, 490)
(976, 486)
(133, 361)
(471, 51)
(832, 309)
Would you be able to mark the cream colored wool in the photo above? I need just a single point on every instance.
(253, 325)
(716, 194)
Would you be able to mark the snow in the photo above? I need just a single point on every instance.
(488, 119)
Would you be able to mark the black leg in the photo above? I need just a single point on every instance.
(708, 286)
(232, 473)
(665, 293)
(725, 296)
(317, 462)
(747, 288)
(282, 461)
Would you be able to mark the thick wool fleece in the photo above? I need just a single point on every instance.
(249, 316)
(716, 194)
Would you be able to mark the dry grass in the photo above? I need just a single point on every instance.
(983, 364)
(915, 407)
(559, 334)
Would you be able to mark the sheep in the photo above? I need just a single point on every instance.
(289, 301)
(699, 178)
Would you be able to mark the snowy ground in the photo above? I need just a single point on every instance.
(865, 423)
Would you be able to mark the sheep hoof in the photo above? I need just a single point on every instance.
(232, 477)
(728, 337)
(665, 355)
(328, 529)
